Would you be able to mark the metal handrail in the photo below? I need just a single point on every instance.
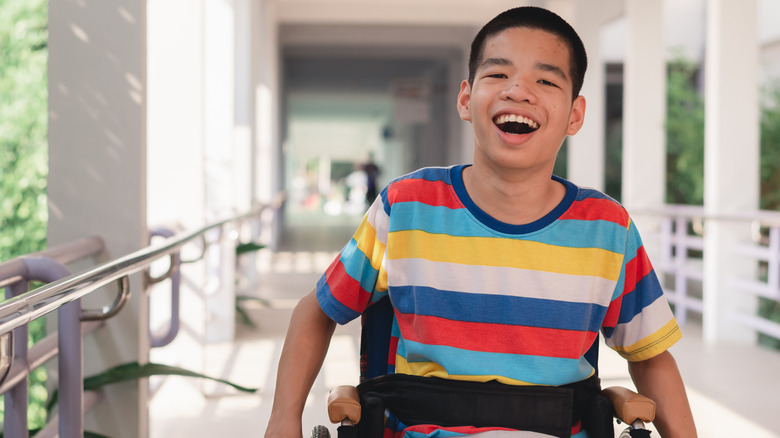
(20, 310)
(65, 253)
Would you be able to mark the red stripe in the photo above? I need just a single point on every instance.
(467, 430)
(598, 209)
(496, 338)
(636, 269)
(333, 265)
(346, 289)
(393, 350)
(435, 193)
(613, 312)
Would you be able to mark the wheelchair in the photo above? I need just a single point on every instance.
(344, 402)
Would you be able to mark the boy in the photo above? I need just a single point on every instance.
(498, 270)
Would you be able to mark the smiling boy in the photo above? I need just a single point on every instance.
(499, 271)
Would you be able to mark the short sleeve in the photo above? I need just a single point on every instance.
(356, 277)
(639, 323)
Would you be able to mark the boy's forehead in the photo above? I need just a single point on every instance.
(500, 41)
(500, 47)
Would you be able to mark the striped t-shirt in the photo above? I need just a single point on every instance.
(478, 299)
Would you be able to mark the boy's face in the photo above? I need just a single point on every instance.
(520, 104)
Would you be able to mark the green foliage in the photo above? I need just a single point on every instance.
(685, 139)
(23, 126)
(769, 309)
(248, 247)
(23, 150)
(770, 148)
(134, 371)
(684, 135)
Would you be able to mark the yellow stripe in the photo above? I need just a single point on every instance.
(381, 281)
(652, 345)
(365, 236)
(520, 254)
(431, 369)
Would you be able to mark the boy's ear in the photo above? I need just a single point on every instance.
(464, 101)
(577, 115)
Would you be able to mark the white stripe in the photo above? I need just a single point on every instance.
(379, 220)
(494, 280)
(653, 317)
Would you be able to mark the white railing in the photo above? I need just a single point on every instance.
(683, 251)
(767, 253)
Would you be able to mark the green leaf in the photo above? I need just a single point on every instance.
(244, 317)
(134, 371)
(247, 247)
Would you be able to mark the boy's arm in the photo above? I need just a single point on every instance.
(659, 378)
(305, 346)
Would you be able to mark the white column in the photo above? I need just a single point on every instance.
(586, 149)
(221, 159)
(175, 158)
(644, 114)
(731, 160)
(644, 107)
(267, 160)
(97, 176)
(176, 169)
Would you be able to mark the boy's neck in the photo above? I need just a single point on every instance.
(513, 198)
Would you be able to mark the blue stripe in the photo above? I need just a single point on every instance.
(434, 219)
(533, 369)
(331, 306)
(498, 309)
(585, 193)
(633, 303)
(430, 174)
(634, 241)
(358, 266)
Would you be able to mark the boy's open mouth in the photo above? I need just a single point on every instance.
(514, 124)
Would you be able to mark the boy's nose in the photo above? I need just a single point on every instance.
(518, 91)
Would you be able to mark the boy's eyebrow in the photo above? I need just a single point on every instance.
(489, 62)
(554, 69)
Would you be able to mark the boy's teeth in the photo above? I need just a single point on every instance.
(505, 118)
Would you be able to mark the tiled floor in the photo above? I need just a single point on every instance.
(733, 389)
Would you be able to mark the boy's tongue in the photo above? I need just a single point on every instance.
(515, 128)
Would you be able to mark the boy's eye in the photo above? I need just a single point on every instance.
(545, 82)
(496, 75)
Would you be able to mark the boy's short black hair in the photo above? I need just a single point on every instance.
(534, 18)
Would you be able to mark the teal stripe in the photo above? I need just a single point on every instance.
(566, 233)
(532, 369)
(358, 266)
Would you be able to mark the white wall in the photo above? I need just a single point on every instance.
(97, 175)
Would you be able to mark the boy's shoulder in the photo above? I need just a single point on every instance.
(433, 173)
(595, 204)
(420, 179)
